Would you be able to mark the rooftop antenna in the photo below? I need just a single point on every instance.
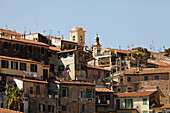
(44, 31)
(30, 31)
(120, 47)
(37, 26)
(59, 33)
(50, 32)
(25, 30)
(6, 26)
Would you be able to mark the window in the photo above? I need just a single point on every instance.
(14, 65)
(21, 107)
(156, 77)
(64, 55)
(41, 107)
(42, 50)
(30, 49)
(83, 108)
(33, 68)
(69, 46)
(128, 103)
(117, 103)
(128, 79)
(45, 74)
(4, 64)
(31, 90)
(71, 54)
(64, 108)
(144, 101)
(37, 89)
(2, 105)
(5, 45)
(146, 78)
(64, 91)
(74, 38)
(50, 108)
(61, 68)
(81, 39)
(17, 47)
(23, 66)
(144, 111)
(52, 68)
(49, 54)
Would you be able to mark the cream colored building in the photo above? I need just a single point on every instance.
(142, 101)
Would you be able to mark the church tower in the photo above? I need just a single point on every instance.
(77, 35)
(96, 47)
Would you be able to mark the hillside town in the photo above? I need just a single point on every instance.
(47, 74)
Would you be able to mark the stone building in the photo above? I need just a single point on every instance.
(149, 79)
(104, 100)
(76, 97)
(141, 101)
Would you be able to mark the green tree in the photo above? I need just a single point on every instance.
(167, 50)
(113, 56)
(139, 56)
(13, 97)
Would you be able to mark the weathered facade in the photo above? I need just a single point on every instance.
(149, 79)
(76, 97)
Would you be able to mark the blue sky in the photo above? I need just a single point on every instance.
(118, 22)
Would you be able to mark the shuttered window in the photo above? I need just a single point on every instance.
(144, 101)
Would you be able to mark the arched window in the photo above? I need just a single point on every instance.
(81, 39)
(73, 38)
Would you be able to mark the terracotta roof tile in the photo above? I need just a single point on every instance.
(31, 80)
(123, 51)
(66, 51)
(76, 83)
(10, 32)
(24, 41)
(3, 110)
(159, 63)
(103, 90)
(162, 106)
(147, 71)
(20, 59)
(54, 48)
(134, 94)
(96, 67)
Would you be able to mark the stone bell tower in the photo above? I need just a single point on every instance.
(77, 35)
(96, 47)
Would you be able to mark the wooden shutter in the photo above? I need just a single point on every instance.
(67, 91)
(61, 91)
(131, 103)
(125, 104)
(87, 91)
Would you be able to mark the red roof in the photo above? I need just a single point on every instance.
(134, 94)
(105, 90)
(76, 83)
(24, 41)
(147, 71)
(24, 60)
(123, 51)
(159, 63)
(54, 48)
(96, 67)
(31, 80)
(66, 51)
(10, 32)
(3, 110)
(68, 41)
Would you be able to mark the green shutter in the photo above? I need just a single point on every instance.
(67, 91)
(117, 103)
(125, 104)
(93, 93)
(156, 77)
(84, 94)
(128, 79)
(61, 91)
(131, 103)
(87, 91)
(144, 111)
(146, 78)
(144, 101)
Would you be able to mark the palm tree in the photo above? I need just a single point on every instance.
(13, 97)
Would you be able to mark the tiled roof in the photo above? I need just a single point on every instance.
(105, 90)
(159, 63)
(54, 48)
(68, 41)
(66, 51)
(123, 51)
(20, 59)
(147, 71)
(31, 80)
(96, 67)
(134, 94)
(24, 41)
(162, 106)
(10, 32)
(3, 110)
(76, 83)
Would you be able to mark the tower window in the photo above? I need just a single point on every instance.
(73, 38)
(81, 39)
